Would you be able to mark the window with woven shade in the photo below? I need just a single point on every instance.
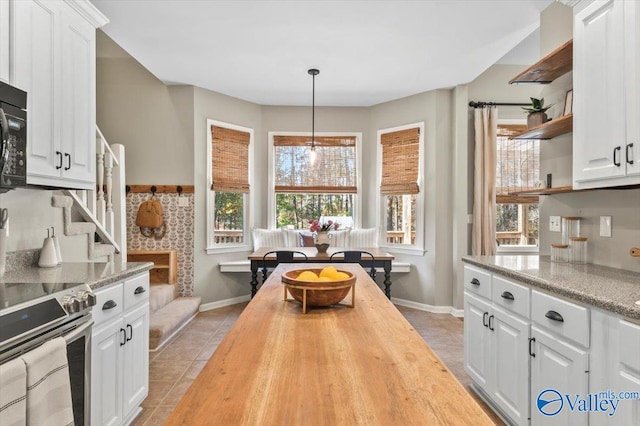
(230, 160)
(229, 154)
(517, 169)
(400, 193)
(400, 162)
(325, 189)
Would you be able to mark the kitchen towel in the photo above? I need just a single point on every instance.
(48, 385)
(13, 393)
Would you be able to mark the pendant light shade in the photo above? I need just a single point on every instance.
(312, 154)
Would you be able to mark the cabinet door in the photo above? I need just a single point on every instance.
(107, 374)
(78, 99)
(4, 41)
(36, 71)
(510, 359)
(477, 340)
(599, 94)
(136, 358)
(627, 374)
(632, 70)
(559, 373)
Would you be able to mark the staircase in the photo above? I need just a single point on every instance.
(103, 209)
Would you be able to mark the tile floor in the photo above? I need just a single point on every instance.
(174, 368)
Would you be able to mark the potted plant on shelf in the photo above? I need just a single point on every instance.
(537, 112)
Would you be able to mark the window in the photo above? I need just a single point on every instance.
(401, 202)
(517, 169)
(228, 180)
(303, 191)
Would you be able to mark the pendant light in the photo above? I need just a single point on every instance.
(312, 154)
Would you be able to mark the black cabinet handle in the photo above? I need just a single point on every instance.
(130, 331)
(531, 341)
(507, 295)
(139, 290)
(616, 149)
(123, 333)
(68, 157)
(475, 281)
(109, 304)
(59, 154)
(484, 319)
(628, 153)
(489, 325)
(553, 315)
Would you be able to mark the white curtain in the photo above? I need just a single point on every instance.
(483, 238)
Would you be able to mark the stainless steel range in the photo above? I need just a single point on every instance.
(31, 314)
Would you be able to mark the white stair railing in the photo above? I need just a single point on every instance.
(106, 206)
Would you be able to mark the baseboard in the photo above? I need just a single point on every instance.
(429, 308)
(223, 303)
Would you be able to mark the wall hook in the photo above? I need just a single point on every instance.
(179, 190)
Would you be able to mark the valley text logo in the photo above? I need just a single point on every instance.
(551, 402)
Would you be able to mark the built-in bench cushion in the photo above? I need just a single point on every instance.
(267, 238)
(166, 321)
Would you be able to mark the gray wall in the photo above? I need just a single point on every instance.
(137, 110)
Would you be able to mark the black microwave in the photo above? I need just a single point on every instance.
(13, 137)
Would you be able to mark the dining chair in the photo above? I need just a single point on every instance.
(282, 256)
(355, 256)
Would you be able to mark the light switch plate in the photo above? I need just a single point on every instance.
(183, 202)
(605, 226)
(554, 223)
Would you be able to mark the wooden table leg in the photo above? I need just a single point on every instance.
(254, 278)
(387, 279)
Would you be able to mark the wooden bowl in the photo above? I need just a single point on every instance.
(325, 294)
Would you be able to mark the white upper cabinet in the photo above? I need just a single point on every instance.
(605, 80)
(54, 62)
(4, 41)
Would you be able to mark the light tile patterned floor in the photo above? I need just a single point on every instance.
(175, 367)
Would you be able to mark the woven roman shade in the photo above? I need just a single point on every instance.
(230, 160)
(400, 155)
(517, 165)
(334, 171)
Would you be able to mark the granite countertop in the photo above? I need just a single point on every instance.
(96, 275)
(611, 289)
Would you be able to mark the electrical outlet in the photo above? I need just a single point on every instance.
(605, 226)
(183, 202)
(554, 223)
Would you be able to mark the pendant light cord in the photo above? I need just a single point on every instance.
(313, 72)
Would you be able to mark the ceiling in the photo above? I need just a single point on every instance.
(368, 52)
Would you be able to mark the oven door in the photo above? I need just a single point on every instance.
(79, 359)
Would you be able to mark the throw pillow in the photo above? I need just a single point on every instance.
(307, 240)
(267, 238)
(340, 238)
(363, 238)
(291, 237)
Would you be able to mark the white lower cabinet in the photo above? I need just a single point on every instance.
(120, 352)
(559, 380)
(615, 367)
(496, 343)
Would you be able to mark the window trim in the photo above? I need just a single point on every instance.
(271, 198)
(528, 249)
(419, 247)
(248, 199)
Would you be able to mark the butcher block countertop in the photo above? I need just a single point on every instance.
(332, 366)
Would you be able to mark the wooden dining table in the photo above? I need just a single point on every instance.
(335, 365)
(381, 259)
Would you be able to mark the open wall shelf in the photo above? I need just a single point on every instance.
(548, 130)
(547, 69)
(545, 191)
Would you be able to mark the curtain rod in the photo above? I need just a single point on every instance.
(479, 104)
